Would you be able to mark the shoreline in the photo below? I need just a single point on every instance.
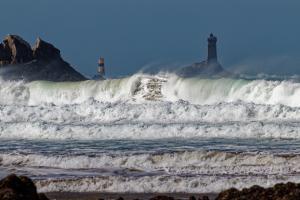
(21, 187)
(125, 196)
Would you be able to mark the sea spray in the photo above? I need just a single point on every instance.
(211, 91)
(140, 88)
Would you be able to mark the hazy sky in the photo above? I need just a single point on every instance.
(254, 35)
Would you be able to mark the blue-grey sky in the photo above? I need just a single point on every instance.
(254, 36)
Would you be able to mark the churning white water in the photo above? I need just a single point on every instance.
(167, 133)
(150, 107)
(172, 88)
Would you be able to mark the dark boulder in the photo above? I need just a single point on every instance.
(43, 197)
(288, 191)
(229, 194)
(205, 198)
(19, 188)
(192, 198)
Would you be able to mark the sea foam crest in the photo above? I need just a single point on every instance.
(142, 87)
(149, 120)
(180, 162)
(160, 184)
(211, 91)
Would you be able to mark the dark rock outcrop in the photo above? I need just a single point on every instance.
(17, 49)
(45, 51)
(5, 57)
(42, 62)
(288, 191)
(19, 188)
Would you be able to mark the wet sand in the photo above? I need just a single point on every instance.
(126, 196)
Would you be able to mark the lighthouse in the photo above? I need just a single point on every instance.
(210, 67)
(212, 49)
(101, 68)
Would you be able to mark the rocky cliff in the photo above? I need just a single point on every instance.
(41, 62)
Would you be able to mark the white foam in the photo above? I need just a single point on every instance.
(150, 120)
(94, 112)
(211, 91)
(40, 130)
(176, 163)
(130, 108)
(137, 89)
(186, 171)
(160, 184)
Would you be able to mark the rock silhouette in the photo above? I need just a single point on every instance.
(18, 61)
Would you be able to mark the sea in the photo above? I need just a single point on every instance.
(151, 133)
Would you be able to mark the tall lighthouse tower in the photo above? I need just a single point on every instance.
(207, 68)
(212, 49)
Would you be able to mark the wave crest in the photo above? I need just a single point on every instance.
(141, 88)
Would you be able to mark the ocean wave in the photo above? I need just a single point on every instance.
(150, 107)
(212, 91)
(150, 120)
(142, 87)
(137, 131)
(159, 184)
(95, 112)
(175, 163)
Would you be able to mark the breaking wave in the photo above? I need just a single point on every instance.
(182, 171)
(41, 92)
(187, 171)
(150, 107)
(174, 163)
(141, 87)
(150, 120)
(160, 184)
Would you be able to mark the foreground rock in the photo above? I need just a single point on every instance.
(19, 188)
(288, 191)
(42, 62)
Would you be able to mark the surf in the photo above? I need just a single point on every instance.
(143, 87)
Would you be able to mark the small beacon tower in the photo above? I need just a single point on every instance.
(212, 49)
(101, 69)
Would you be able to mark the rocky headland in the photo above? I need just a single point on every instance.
(43, 61)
